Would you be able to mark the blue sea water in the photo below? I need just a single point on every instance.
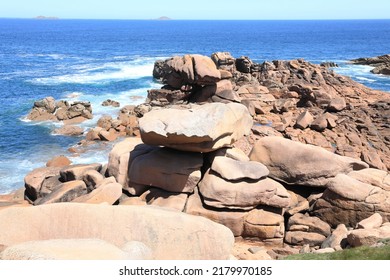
(98, 59)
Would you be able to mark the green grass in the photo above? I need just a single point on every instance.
(359, 253)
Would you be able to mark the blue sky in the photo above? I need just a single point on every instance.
(198, 9)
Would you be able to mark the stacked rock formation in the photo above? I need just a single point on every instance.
(213, 144)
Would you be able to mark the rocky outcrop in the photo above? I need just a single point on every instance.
(48, 109)
(381, 63)
(199, 129)
(348, 200)
(298, 164)
(170, 235)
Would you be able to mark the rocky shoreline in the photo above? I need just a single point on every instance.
(264, 160)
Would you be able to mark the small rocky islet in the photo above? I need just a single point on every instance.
(230, 159)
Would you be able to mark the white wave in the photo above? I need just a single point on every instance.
(365, 79)
(101, 74)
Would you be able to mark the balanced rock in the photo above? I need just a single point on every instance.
(300, 164)
(170, 234)
(243, 194)
(189, 69)
(201, 129)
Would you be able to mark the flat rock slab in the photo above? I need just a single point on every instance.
(170, 234)
(204, 128)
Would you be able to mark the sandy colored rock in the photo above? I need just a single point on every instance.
(337, 238)
(69, 130)
(106, 193)
(59, 161)
(373, 177)
(161, 198)
(313, 224)
(361, 237)
(348, 201)
(231, 169)
(33, 180)
(65, 192)
(121, 157)
(302, 238)
(171, 235)
(263, 224)
(77, 171)
(304, 120)
(296, 163)
(203, 128)
(243, 194)
(233, 219)
(92, 178)
(167, 169)
(64, 249)
(374, 221)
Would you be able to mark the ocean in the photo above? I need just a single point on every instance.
(95, 60)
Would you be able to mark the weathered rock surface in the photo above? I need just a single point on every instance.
(201, 129)
(189, 69)
(121, 157)
(360, 237)
(242, 194)
(348, 201)
(34, 180)
(167, 169)
(64, 249)
(77, 171)
(312, 224)
(170, 234)
(59, 161)
(296, 163)
(65, 192)
(233, 219)
(69, 130)
(231, 169)
(161, 198)
(263, 224)
(374, 221)
(338, 238)
(105, 193)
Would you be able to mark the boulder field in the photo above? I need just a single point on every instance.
(286, 155)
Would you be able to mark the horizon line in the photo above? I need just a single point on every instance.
(54, 18)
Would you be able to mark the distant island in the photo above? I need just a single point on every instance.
(44, 17)
(164, 18)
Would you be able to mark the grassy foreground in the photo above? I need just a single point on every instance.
(359, 253)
